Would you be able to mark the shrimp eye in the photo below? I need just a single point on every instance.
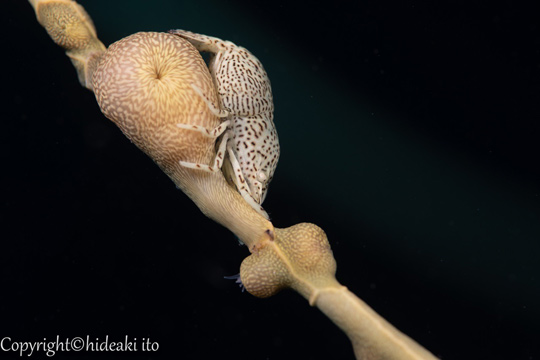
(261, 176)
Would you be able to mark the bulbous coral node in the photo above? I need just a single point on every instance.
(67, 23)
(264, 273)
(300, 257)
(143, 83)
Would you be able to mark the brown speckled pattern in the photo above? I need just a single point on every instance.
(245, 93)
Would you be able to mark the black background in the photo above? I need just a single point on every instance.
(409, 133)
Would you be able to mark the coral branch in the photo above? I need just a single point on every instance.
(371, 335)
(145, 85)
(300, 258)
(69, 26)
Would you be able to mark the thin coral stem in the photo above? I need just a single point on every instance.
(371, 335)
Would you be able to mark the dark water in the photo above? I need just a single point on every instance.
(409, 133)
